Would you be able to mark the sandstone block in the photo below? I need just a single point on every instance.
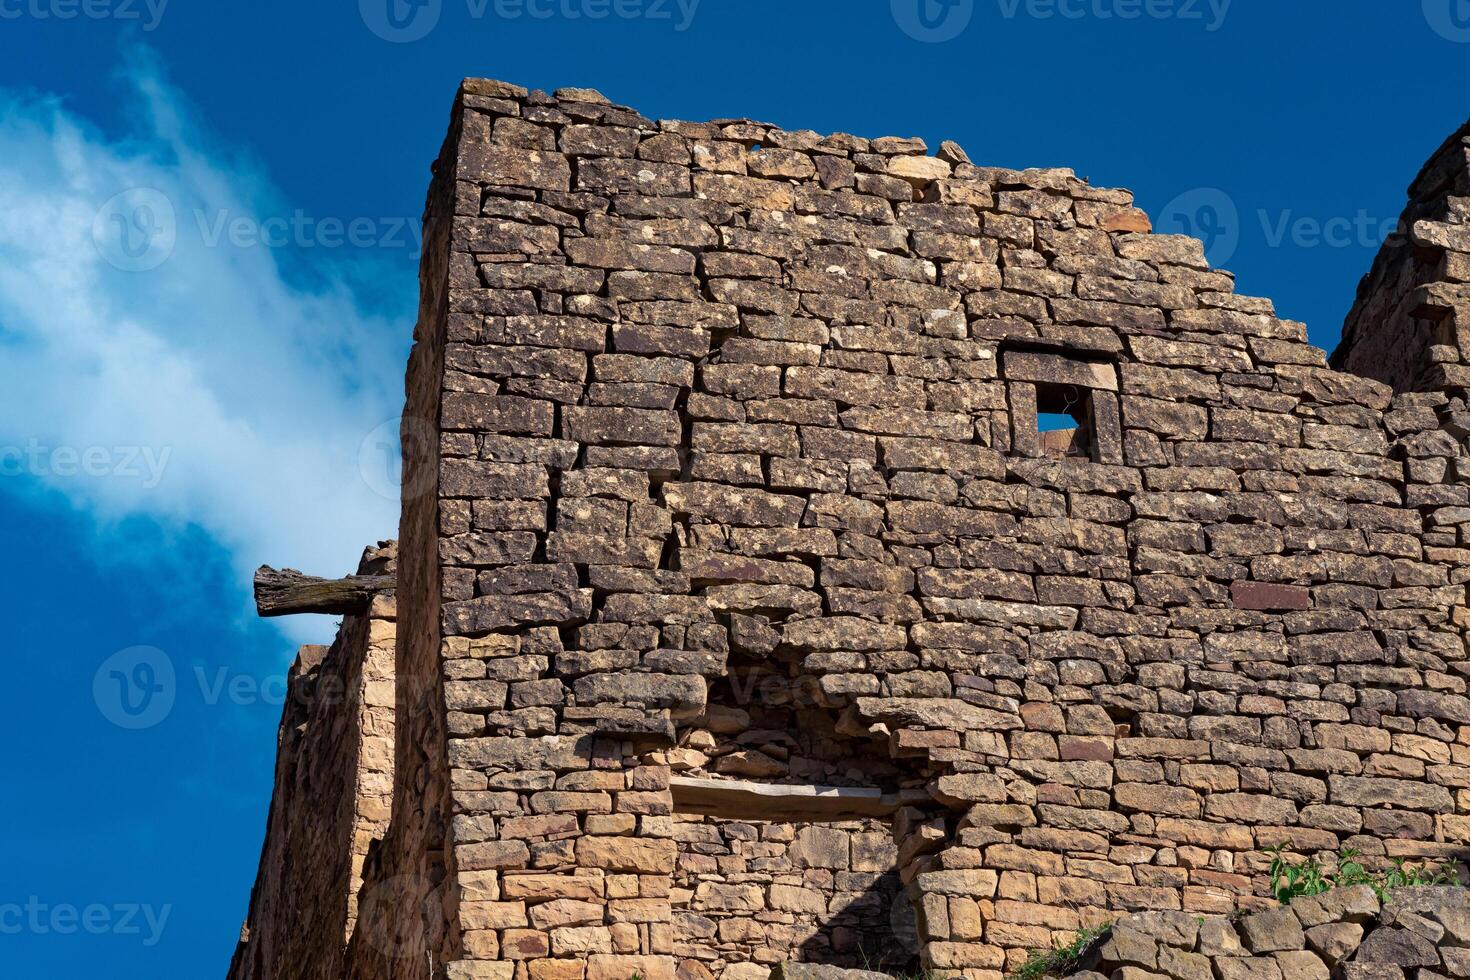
(1395, 946)
(1277, 929)
(621, 967)
(1334, 941)
(1301, 965)
(565, 912)
(626, 854)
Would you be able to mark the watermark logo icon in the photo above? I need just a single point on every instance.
(135, 688)
(933, 21)
(1206, 213)
(136, 230)
(399, 936)
(1449, 18)
(381, 454)
(400, 21)
(903, 924)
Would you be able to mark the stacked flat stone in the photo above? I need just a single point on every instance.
(698, 410)
(1408, 327)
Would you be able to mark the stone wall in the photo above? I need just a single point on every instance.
(725, 481)
(1417, 933)
(750, 894)
(721, 395)
(333, 789)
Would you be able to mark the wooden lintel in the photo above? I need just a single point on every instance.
(743, 800)
(288, 592)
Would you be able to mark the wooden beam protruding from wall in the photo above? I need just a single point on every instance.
(288, 592)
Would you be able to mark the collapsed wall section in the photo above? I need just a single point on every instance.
(1410, 325)
(331, 800)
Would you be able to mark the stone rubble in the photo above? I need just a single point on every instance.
(1421, 933)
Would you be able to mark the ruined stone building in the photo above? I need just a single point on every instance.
(751, 606)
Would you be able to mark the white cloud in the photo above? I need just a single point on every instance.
(158, 359)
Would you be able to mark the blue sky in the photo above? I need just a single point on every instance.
(180, 407)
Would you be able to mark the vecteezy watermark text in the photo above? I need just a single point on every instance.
(138, 230)
(144, 464)
(936, 21)
(301, 230)
(1211, 215)
(404, 21)
(40, 918)
(1361, 230)
(138, 687)
(148, 12)
(1210, 13)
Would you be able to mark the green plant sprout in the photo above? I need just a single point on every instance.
(1312, 877)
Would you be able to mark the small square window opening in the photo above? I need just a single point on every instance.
(1064, 420)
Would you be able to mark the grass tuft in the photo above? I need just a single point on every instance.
(1061, 959)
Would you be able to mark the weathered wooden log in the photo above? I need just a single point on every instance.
(288, 592)
(745, 800)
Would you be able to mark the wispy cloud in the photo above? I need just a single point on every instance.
(164, 351)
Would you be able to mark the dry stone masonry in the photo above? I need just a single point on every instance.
(754, 894)
(753, 610)
(1417, 934)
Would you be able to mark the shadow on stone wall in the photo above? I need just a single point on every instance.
(875, 931)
